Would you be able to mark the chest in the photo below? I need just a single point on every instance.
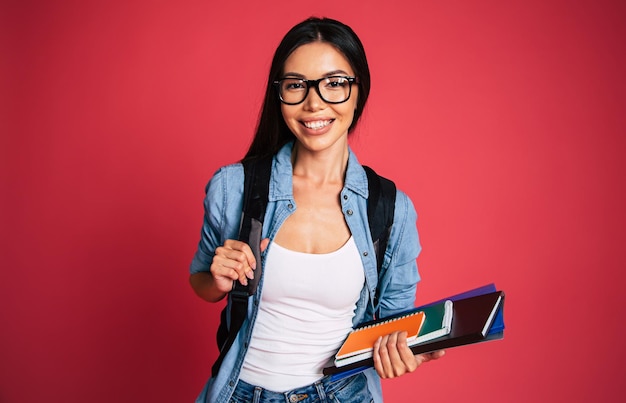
(301, 281)
(318, 224)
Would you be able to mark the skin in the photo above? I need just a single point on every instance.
(320, 158)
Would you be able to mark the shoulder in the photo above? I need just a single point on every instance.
(225, 176)
(404, 207)
(225, 188)
(404, 238)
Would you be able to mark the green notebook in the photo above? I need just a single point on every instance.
(438, 322)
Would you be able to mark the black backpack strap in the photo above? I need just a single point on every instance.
(255, 197)
(256, 190)
(381, 206)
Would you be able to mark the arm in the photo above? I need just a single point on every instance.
(204, 286)
(219, 259)
(232, 261)
(392, 356)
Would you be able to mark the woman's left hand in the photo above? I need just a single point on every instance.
(393, 357)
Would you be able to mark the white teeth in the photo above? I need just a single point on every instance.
(318, 124)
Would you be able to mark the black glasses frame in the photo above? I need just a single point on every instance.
(316, 85)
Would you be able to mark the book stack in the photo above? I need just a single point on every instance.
(467, 318)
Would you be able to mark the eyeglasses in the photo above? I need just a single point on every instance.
(332, 90)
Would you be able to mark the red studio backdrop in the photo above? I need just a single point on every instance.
(503, 121)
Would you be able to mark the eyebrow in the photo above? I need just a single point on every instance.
(330, 73)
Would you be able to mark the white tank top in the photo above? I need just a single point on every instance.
(305, 313)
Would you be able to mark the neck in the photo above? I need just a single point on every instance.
(322, 167)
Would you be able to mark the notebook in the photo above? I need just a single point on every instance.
(437, 323)
(472, 320)
(361, 340)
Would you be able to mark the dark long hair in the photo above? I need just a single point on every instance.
(272, 132)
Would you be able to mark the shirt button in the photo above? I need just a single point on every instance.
(365, 253)
(349, 212)
(345, 197)
(290, 206)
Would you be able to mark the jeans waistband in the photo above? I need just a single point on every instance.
(320, 391)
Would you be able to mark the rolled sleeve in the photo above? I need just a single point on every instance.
(224, 188)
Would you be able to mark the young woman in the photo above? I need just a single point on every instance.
(319, 267)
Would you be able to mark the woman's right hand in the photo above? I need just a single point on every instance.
(234, 261)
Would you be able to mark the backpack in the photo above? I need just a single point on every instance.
(380, 211)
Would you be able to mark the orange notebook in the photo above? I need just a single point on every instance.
(362, 339)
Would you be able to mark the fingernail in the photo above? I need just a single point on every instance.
(253, 265)
(250, 274)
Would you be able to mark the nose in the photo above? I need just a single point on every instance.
(313, 101)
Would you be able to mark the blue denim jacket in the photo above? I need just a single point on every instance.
(399, 276)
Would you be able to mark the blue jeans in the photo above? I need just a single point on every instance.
(351, 389)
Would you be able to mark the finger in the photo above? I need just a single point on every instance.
(406, 355)
(233, 264)
(224, 267)
(435, 355)
(239, 253)
(422, 358)
(264, 243)
(385, 361)
(248, 256)
(397, 366)
(378, 365)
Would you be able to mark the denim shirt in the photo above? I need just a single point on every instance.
(398, 278)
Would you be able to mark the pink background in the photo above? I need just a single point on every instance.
(504, 122)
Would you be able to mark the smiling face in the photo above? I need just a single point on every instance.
(316, 124)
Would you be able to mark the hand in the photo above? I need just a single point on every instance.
(393, 357)
(234, 261)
